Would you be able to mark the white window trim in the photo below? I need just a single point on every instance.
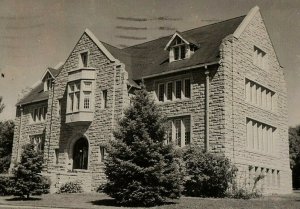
(81, 96)
(167, 91)
(158, 91)
(180, 118)
(40, 110)
(174, 86)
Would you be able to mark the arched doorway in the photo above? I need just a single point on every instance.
(80, 154)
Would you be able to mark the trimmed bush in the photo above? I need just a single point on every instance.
(142, 170)
(70, 187)
(207, 174)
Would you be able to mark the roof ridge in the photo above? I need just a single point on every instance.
(185, 31)
(213, 23)
(110, 45)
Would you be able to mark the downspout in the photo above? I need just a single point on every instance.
(50, 127)
(232, 102)
(21, 115)
(206, 109)
(114, 99)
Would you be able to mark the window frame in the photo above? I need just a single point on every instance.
(39, 114)
(174, 134)
(77, 91)
(84, 63)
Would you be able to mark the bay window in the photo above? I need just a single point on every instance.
(79, 96)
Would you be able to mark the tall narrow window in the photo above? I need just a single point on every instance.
(169, 132)
(71, 97)
(35, 115)
(170, 91)
(104, 99)
(56, 156)
(187, 88)
(87, 99)
(84, 59)
(187, 128)
(176, 53)
(59, 107)
(178, 132)
(161, 92)
(102, 153)
(44, 113)
(77, 99)
(178, 89)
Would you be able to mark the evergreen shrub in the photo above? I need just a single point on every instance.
(140, 168)
(207, 174)
(27, 179)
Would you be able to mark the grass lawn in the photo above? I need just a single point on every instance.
(92, 200)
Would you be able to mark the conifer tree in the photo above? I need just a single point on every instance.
(141, 169)
(27, 178)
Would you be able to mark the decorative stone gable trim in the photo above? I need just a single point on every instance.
(100, 45)
(245, 22)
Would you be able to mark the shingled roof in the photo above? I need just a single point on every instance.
(37, 94)
(150, 58)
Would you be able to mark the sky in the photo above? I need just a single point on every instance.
(36, 34)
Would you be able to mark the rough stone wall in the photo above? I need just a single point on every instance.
(99, 131)
(21, 137)
(237, 64)
(195, 106)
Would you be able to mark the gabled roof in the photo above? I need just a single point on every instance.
(53, 72)
(186, 40)
(150, 58)
(37, 94)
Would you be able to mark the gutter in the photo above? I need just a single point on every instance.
(181, 69)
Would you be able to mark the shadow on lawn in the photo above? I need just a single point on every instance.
(112, 202)
(23, 199)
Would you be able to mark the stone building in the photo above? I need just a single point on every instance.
(220, 85)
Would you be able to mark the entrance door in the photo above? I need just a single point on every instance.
(80, 154)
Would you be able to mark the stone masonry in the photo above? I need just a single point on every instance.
(228, 110)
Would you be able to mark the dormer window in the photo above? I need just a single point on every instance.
(179, 48)
(48, 79)
(84, 59)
